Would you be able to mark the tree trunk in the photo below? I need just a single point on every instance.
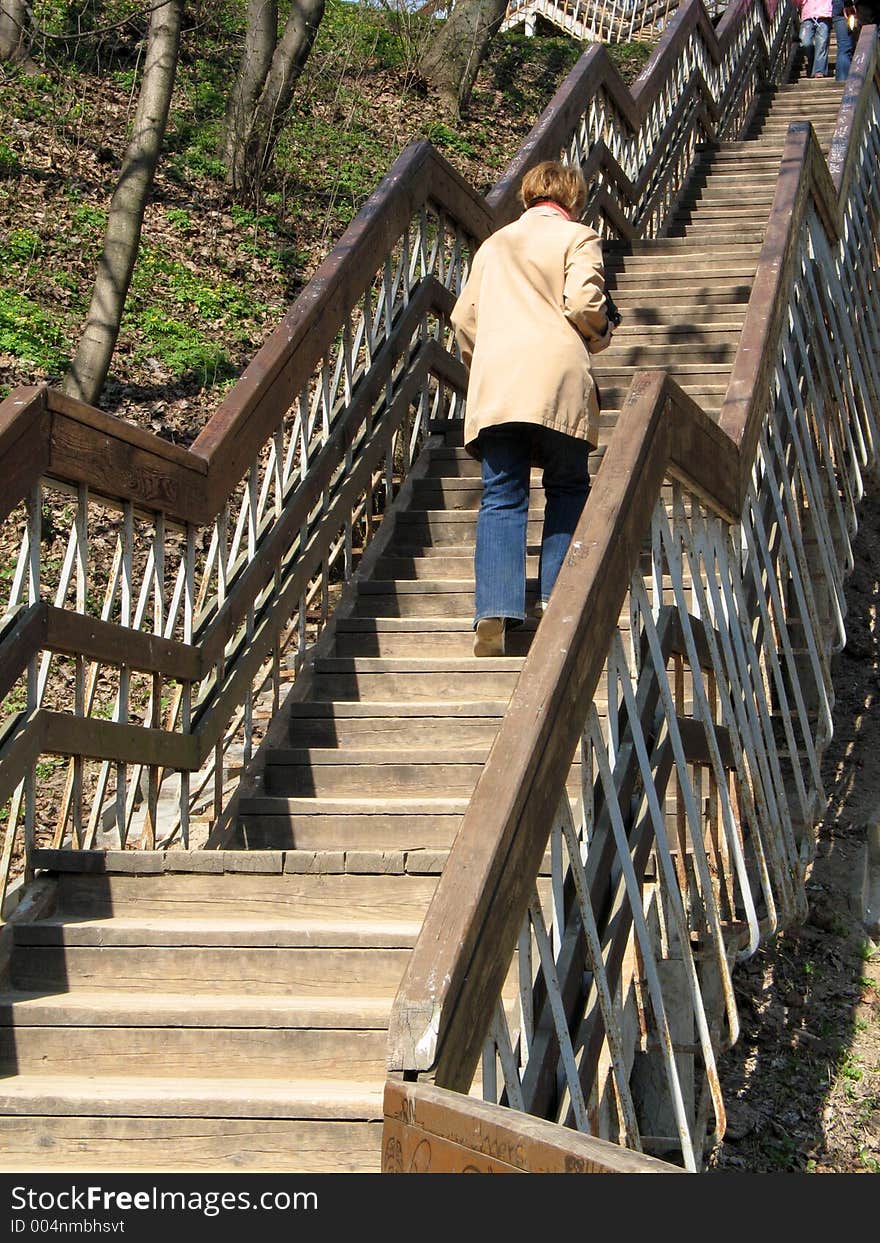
(260, 39)
(15, 33)
(453, 57)
(88, 371)
(260, 114)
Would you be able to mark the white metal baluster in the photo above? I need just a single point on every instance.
(560, 1025)
(526, 984)
(692, 814)
(729, 628)
(610, 1008)
(500, 1035)
(752, 676)
(797, 570)
(82, 582)
(34, 527)
(189, 604)
(122, 699)
(557, 888)
(159, 621)
(634, 896)
(676, 898)
(490, 1071)
(704, 712)
(736, 719)
(817, 509)
(770, 576)
(248, 722)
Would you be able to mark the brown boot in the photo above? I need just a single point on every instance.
(489, 637)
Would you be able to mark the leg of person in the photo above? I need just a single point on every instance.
(808, 30)
(500, 553)
(844, 40)
(820, 55)
(566, 481)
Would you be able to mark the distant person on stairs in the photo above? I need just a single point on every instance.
(815, 33)
(530, 315)
(843, 17)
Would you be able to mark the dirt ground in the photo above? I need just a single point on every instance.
(802, 1085)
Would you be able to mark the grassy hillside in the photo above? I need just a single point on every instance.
(215, 275)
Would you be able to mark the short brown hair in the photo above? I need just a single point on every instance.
(551, 179)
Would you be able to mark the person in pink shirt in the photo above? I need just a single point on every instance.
(815, 33)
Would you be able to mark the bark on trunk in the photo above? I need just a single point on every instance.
(250, 144)
(88, 371)
(260, 39)
(15, 33)
(452, 59)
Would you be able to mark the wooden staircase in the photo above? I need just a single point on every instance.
(229, 1009)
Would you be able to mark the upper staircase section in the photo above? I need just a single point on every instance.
(601, 21)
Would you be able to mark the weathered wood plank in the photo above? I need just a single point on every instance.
(429, 1130)
(25, 425)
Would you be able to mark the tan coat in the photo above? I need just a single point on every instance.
(530, 315)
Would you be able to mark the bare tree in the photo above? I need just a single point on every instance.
(88, 371)
(15, 32)
(267, 76)
(452, 59)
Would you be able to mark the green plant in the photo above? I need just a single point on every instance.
(181, 348)
(22, 246)
(125, 78)
(849, 1068)
(179, 218)
(444, 136)
(10, 165)
(84, 216)
(29, 333)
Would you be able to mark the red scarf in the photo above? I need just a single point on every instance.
(554, 205)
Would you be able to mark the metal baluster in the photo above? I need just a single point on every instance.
(643, 937)
(122, 699)
(189, 603)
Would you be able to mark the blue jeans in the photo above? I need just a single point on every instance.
(815, 33)
(508, 453)
(845, 40)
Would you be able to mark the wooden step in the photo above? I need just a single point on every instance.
(388, 919)
(130, 957)
(455, 643)
(64, 1124)
(269, 901)
(696, 261)
(348, 722)
(683, 280)
(406, 679)
(318, 771)
(157, 1051)
(267, 820)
